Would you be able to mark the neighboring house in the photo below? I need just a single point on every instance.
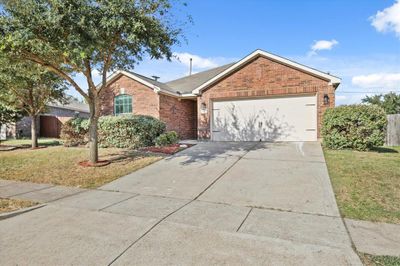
(261, 97)
(3, 132)
(50, 122)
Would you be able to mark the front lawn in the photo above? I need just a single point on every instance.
(28, 142)
(370, 260)
(59, 165)
(366, 184)
(8, 205)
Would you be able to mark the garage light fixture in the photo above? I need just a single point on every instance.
(203, 108)
(326, 99)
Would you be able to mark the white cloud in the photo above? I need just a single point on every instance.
(377, 80)
(197, 61)
(388, 20)
(322, 45)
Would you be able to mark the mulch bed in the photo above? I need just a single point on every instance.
(98, 164)
(170, 149)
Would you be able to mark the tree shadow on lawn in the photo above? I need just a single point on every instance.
(28, 145)
(384, 150)
(126, 156)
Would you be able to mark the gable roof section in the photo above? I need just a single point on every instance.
(189, 83)
(71, 104)
(332, 79)
(192, 85)
(156, 86)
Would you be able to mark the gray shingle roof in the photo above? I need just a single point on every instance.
(71, 105)
(189, 83)
(161, 85)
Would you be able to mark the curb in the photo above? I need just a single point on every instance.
(20, 211)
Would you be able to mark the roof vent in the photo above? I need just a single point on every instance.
(155, 77)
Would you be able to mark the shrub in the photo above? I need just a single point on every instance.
(74, 131)
(359, 127)
(167, 138)
(129, 131)
(117, 131)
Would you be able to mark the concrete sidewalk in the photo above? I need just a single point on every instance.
(40, 193)
(214, 203)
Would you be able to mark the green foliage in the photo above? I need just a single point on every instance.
(8, 114)
(167, 138)
(74, 132)
(84, 35)
(115, 131)
(390, 102)
(129, 131)
(359, 127)
(27, 86)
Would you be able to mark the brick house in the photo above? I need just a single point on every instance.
(50, 122)
(261, 97)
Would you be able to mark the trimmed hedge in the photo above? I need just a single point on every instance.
(358, 127)
(167, 138)
(74, 132)
(128, 131)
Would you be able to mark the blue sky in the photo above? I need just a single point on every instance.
(358, 41)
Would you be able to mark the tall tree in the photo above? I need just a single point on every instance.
(29, 87)
(390, 102)
(81, 36)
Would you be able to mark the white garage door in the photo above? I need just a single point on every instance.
(271, 119)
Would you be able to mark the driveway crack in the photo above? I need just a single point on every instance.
(245, 218)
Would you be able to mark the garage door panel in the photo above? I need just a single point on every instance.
(272, 119)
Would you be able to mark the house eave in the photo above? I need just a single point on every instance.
(332, 79)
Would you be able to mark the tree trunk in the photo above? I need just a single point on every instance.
(34, 131)
(94, 117)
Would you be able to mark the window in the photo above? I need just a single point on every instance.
(122, 104)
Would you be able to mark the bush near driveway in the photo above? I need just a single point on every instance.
(74, 132)
(358, 127)
(167, 138)
(127, 131)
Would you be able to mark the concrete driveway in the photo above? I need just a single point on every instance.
(215, 203)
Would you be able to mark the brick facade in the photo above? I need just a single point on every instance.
(144, 100)
(262, 78)
(178, 114)
(22, 129)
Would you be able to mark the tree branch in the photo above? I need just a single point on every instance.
(34, 58)
(88, 74)
(107, 61)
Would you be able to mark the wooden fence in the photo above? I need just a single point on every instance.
(393, 130)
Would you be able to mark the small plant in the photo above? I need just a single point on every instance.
(167, 138)
(358, 127)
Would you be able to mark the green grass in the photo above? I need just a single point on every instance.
(59, 165)
(366, 184)
(28, 142)
(371, 260)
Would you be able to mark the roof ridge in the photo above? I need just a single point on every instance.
(201, 72)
